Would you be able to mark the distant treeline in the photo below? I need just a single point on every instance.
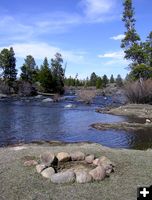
(49, 77)
(94, 80)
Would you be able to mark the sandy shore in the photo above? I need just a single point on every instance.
(17, 182)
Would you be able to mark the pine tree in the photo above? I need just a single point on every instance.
(131, 44)
(93, 79)
(57, 73)
(29, 69)
(99, 83)
(8, 65)
(119, 81)
(105, 80)
(45, 76)
(112, 80)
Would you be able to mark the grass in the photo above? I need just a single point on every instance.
(17, 182)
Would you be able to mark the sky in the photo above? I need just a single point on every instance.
(87, 33)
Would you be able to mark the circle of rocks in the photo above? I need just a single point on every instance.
(52, 166)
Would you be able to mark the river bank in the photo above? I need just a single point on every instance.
(133, 168)
(141, 115)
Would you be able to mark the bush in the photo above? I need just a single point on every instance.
(139, 91)
(86, 95)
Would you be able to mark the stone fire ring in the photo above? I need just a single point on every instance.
(73, 167)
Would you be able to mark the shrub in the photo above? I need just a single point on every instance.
(86, 95)
(139, 91)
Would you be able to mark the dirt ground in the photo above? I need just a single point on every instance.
(17, 182)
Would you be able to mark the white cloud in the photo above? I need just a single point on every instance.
(118, 37)
(41, 50)
(97, 7)
(116, 54)
(114, 58)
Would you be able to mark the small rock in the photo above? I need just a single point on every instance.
(47, 158)
(40, 168)
(104, 160)
(69, 106)
(47, 100)
(96, 161)
(148, 121)
(38, 96)
(77, 156)
(29, 163)
(98, 173)
(63, 177)
(89, 159)
(83, 177)
(48, 172)
(63, 156)
(108, 169)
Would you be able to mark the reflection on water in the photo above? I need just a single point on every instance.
(35, 121)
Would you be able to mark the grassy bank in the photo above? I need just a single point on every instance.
(18, 182)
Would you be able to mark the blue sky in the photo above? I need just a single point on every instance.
(86, 32)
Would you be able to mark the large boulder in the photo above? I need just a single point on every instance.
(98, 173)
(47, 100)
(47, 159)
(63, 177)
(83, 177)
(89, 159)
(104, 161)
(63, 156)
(48, 172)
(96, 161)
(77, 156)
(40, 168)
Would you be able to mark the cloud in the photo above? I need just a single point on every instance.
(42, 50)
(118, 37)
(98, 10)
(114, 58)
(116, 54)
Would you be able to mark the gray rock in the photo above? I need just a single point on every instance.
(89, 159)
(108, 168)
(96, 162)
(63, 156)
(38, 96)
(98, 173)
(104, 160)
(69, 106)
(47, 100)
(3, 95)
(83, 177)
(48, 172)
(77, 156)
(40, 168)
(47, 159)
(63, 177)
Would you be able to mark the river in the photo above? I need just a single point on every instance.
(28, 120)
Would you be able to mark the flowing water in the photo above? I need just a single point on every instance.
(32, 120)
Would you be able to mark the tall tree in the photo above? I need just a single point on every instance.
(57, 73)
(119, 81)
(28, 69)
(131, 44)
(148, 49)
(45, 76)
(112, 80)
(93, 79)
(99, 83)
(8, 65)
(105, 80)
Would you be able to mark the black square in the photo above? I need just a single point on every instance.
(144, 193)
